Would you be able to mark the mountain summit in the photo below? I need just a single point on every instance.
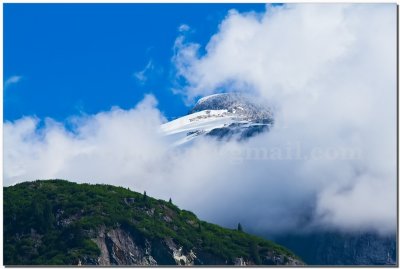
(224, 116)
(238, 104)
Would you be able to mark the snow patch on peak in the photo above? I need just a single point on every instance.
(186, 128)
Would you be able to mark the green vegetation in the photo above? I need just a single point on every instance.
(53, 221)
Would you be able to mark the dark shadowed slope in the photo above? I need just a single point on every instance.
(342, 248)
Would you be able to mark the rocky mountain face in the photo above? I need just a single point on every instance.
(56, 222)
(340, 248)
(241, 105)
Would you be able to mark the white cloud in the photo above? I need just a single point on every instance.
(105, 147)
(183, 28)
(329, 71)
(12, 80)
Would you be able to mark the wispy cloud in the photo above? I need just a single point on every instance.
(12, 80)
(142, 75)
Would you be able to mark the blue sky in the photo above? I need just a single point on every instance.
(66, 59)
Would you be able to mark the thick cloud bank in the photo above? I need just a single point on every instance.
(329, 71)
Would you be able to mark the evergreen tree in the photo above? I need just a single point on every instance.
(240, 228)
(170, 201)
(144, 196)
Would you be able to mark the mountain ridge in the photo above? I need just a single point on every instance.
(57, 222)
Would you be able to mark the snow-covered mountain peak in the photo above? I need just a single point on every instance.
(239, 104)
(225, 116)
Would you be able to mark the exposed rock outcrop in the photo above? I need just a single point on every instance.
(117, 247)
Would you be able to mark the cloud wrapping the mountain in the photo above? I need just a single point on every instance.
(329, 72)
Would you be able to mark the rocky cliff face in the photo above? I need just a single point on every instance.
(119, 247)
